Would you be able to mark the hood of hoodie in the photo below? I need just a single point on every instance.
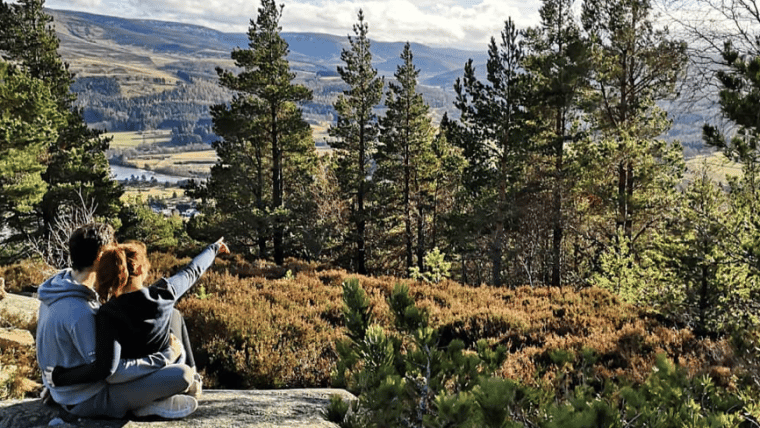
(62, 285)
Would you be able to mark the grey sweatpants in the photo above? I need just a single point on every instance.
(115, 400)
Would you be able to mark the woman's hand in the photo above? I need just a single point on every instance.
(223, 249)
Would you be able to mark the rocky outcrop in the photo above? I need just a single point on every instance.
(216, 408)
(15, 338)
(20, 310)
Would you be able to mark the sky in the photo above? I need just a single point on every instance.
(464, 24)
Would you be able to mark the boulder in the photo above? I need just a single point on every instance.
(284, 408)
(20, 310)
(16, 338)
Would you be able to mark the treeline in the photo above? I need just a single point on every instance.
(186, 105)
(554, 171)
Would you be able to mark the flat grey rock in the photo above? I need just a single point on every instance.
(20, 308)
(216, 408)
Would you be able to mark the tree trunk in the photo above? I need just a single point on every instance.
(279, 257)
(360, 220)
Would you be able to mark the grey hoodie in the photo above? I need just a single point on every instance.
(66, 338)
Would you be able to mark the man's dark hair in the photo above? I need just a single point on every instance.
(87, 242)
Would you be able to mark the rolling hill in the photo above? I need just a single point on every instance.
(138, 75)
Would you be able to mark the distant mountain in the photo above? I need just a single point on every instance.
(142, 74)
(82, 34)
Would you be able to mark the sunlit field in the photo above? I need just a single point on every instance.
(718, 167)
(125, 140)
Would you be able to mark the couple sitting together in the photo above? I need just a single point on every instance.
(109, 345)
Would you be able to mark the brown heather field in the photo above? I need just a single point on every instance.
(254, 326)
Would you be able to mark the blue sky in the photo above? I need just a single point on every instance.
(466, 24)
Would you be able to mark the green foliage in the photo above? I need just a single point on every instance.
(411, 380)
(336, 410)
(493, 134)
(266, 155)
(141, 223)
(356, 131)
(628, 174)
(558, 64)
(407, 167)
(637, 277)
(76, 165)
(29, 123)
(437, 268)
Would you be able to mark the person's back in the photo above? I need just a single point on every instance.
(66, 307)
(67, 312)
(66, 337)
(139, 316)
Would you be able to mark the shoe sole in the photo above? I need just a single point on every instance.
(166, 413)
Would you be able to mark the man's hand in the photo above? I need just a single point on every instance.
(175, 348)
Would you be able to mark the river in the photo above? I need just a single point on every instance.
(121, 173)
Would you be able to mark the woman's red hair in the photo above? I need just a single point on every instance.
(118, 267)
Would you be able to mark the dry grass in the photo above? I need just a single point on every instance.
(156, 192)
(717, 165)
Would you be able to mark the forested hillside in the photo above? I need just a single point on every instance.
(161, 75)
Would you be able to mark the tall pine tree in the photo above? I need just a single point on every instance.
(635, 66)
(493, 138)
(29, 123)
(266, 142)
(558, 60)
(406, 162)
(356, 132)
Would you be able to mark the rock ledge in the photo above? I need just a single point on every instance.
(216, 408)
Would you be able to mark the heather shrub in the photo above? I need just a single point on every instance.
(406, 378)
(19, 375)
(25, 275)
(667, 398)
(252, 325)
(250, 330)
(258, 333)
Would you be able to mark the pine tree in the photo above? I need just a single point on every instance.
(702, 254)
(406, 161)
(356, 131)
(29, 123)
(493, 138)
(76, 162)
(558, 60)
(739, 97)
(635, 66)
(263, 131)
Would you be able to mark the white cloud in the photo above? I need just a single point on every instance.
(456, 23)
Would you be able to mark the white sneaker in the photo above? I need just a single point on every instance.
(175, 407)
(195, 388)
